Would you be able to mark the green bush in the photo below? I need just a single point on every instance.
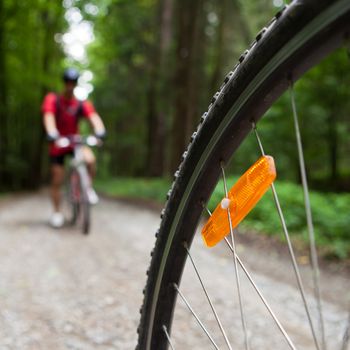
(330, 213)
(145, 188)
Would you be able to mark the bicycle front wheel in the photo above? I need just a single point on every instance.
(78, 198)
(297, 38)
(84, 200)
(73, 195)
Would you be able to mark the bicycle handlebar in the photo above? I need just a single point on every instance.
(73, 140)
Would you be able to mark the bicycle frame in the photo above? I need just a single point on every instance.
(78, 186)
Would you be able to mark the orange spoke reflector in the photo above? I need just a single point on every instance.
(242, 198)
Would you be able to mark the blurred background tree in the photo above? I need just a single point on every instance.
(155, 65)
(29, 67)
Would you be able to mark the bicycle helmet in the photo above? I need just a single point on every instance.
(71, 74)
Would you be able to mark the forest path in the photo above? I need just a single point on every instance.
(60, 289)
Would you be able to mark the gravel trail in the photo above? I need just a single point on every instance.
(62, 290)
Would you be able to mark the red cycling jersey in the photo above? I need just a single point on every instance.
(67, 118)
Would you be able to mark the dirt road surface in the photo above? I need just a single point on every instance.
(62, 290)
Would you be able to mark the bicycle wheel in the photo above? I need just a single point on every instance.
(297, 38)
(74, 196)
(85, 216)
(84, 205)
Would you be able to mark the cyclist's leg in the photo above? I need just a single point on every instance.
(90, 161)
(57, 178)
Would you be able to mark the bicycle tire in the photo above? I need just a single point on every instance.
(297, 38)
(84, 206)
(73, 197)
(86, 217)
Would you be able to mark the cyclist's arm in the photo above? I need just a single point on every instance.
(48, 109)
(95, 120)
(97, 124)
(50, 124)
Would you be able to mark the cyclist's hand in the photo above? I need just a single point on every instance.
(101, 135)
(62, 142)
(52, 136)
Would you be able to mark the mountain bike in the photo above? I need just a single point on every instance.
(78, 180)
(295, 40)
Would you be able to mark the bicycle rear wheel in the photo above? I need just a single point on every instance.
(297, 38)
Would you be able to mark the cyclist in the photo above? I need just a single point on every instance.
(61, 113)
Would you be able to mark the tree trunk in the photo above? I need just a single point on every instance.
(188, 54)
(219, 46)
(156, 117)
(156, 135)
(243, 22)
(37, 159)
(333, 150)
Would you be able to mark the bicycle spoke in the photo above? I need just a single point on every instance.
(207, 209)
(236, 266)
(258, 139)
(195, 316)
(290, 343)
(311, 231)
(279, 325)
(208, 298)
(290, 248)
(168, 337)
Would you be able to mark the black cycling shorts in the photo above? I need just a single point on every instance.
(59, 160)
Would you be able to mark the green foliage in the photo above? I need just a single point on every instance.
(123, 58)
(323, 106)
(119, 60)
(145, 188)
(330, 215)
(29, 64)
